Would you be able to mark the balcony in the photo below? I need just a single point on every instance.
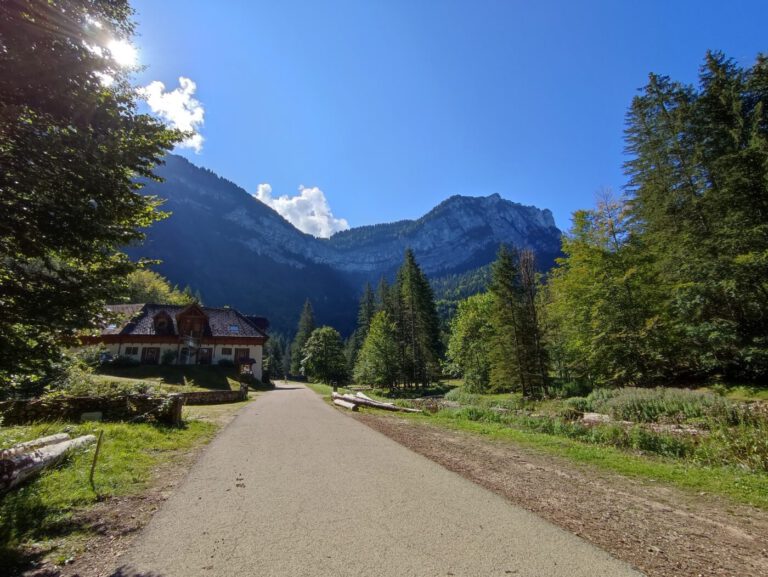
(190, 341)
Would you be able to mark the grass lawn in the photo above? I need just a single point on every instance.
(173, 378)
(45, 514)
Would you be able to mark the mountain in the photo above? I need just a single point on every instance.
(238, 251)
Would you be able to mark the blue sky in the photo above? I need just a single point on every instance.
(389, 107)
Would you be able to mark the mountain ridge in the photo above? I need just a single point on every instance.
(237, 250)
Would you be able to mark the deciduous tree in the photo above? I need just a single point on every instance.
(72, 145)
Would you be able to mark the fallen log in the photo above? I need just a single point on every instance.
(18, 468)
(368, 402)
(346, 404)
(382, 403)
(28, 446)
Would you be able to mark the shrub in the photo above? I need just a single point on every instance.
(226, 363)
(579, 404)
(168, 357)
(123, 361)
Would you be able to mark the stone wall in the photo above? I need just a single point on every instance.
(215, 397)
(165, 410)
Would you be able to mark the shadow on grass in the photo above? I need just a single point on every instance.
(25, 518)
(203, 376)
(434, 390)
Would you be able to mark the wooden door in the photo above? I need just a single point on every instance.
(204, 356)
(241, 356)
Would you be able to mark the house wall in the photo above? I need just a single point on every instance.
(255, 352)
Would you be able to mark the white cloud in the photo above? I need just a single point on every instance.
(178, 108)
(308, 211)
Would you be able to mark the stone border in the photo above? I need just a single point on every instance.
(166, 409)
(215, 397)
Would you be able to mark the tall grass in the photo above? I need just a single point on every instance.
(664, 405)
(737, 434)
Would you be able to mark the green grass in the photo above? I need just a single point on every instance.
(742, 486)
(743, 393)
(173, 378)
(45, 510)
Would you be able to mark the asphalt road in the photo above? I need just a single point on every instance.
(294, 487)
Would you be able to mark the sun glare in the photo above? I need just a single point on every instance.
(124, 53)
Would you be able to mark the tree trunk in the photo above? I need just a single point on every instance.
(346, 404)
(18, 468)
(28, 446)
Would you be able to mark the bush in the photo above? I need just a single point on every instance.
(579, 404)
(168, 357)
(226, 363)
(123, 361)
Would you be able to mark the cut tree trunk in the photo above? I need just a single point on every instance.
(346, 404)
(361, 399)
(28, 446)
(18, 468)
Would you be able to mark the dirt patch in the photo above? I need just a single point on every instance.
(663, 531)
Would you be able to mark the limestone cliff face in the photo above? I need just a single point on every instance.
(238, 251)
(451, 237)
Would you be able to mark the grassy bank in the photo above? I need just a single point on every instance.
(171, 378)
(733, 482)
(44, 518)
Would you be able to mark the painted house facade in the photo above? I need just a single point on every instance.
(184, 334)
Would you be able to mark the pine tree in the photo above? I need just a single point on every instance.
(518, 355)
(304, 330)
(274, 361)
(366, 310)
(700, 197)
(418, 324)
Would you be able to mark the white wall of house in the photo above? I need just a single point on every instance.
(254, 351)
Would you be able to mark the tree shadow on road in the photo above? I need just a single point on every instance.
(128, 571)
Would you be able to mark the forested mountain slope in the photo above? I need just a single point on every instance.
(236, 250)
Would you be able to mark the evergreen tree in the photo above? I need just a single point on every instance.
(71, 145)
(378, 362)
(518, 357)
(418, 324)
(700, 199)
(383, 299)
(366, 310)
(274, 361)
(304, 330)
(323, 357)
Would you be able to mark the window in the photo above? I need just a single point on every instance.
(234, 329)
(131, 350)
(227, 351)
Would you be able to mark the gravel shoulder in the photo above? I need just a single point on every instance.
(663, 531)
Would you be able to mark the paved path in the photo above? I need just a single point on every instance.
(293, 487)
